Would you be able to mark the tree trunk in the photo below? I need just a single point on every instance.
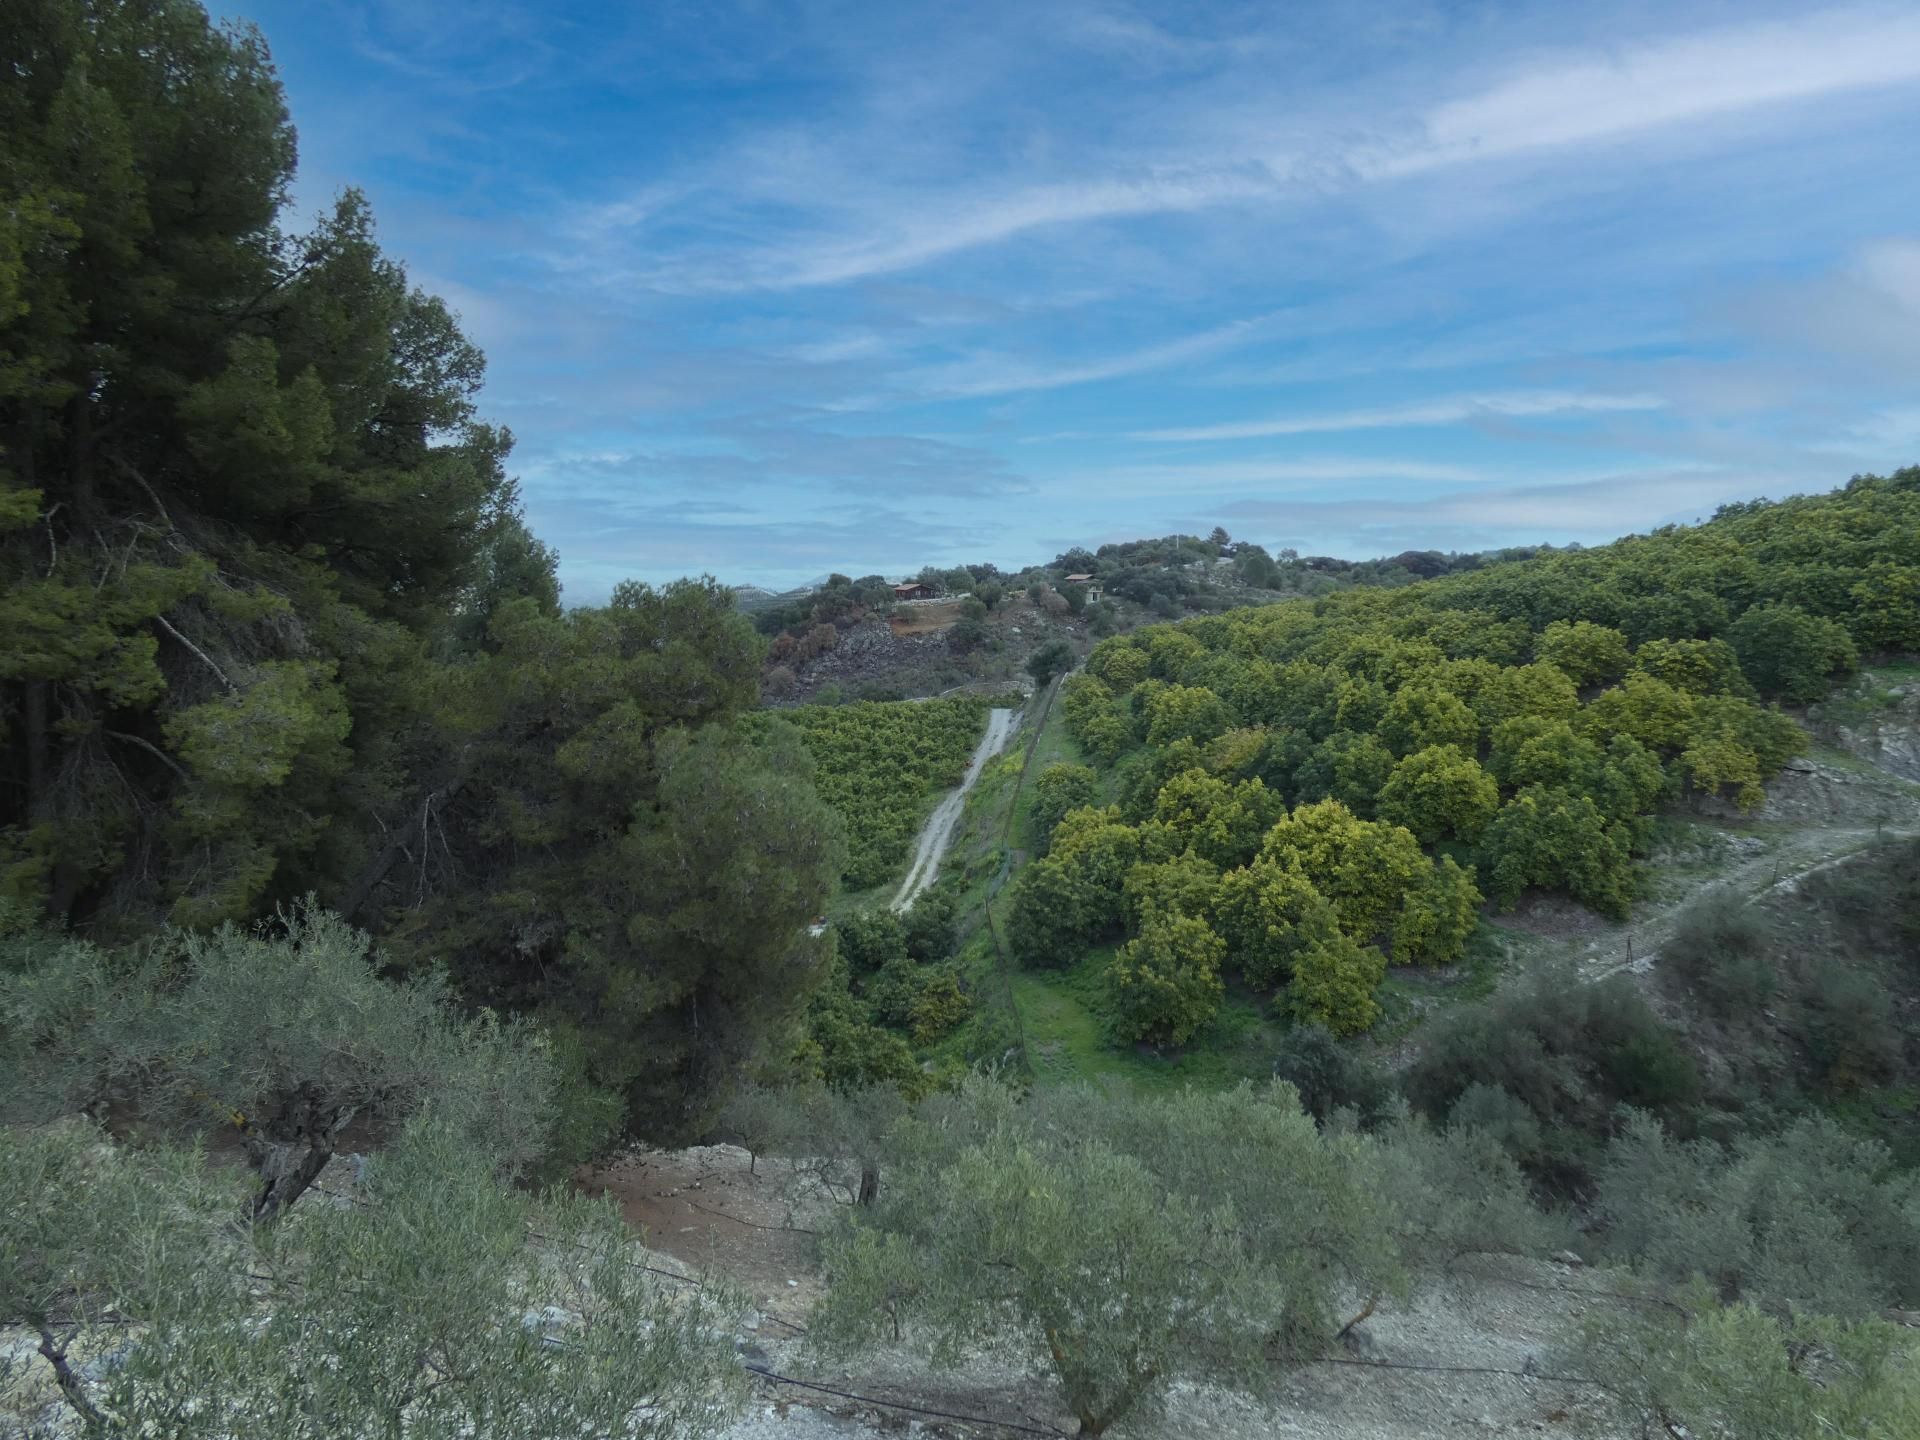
(356, 898)
(869, 1185)
(286, 1179)
(39, 788)
(70, 1387)
(291, 1150)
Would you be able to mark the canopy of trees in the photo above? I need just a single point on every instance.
(880, 763)
(1518, 724)
(271, 624)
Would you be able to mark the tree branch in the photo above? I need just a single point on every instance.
(70, 1387)
(153, 750)
(205, 659)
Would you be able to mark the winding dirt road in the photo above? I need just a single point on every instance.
(937, 834)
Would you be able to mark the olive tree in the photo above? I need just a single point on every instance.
(284, 1035)
(1692, 1365)
(418, 1307)
(1118, 1245)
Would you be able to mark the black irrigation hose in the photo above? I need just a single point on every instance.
(779, 1379)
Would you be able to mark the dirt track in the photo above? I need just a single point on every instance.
(937, 834)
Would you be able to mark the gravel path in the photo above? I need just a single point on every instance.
(937, 834)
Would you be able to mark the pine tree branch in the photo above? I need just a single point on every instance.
(205, 658)
(153, 750)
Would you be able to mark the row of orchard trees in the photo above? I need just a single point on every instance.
(271, 622)
(877, 763)
(1309, 790)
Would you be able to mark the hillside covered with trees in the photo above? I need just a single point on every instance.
(353, 892)
(1307, 792)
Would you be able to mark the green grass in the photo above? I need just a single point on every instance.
(1062, 1013)
(1410, 994)
(1053, 746)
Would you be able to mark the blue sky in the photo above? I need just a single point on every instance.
(769, 289)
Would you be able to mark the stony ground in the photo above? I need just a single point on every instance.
(1470, 1355)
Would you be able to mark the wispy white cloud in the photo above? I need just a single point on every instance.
(1289, 472)
(1449, 411)
(852, 227)
(1002, 375)
(1680, 80)
(1587, 510)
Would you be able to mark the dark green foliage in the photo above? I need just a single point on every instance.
(880, 765)
(1056, 790)
(1789, 654)
(244, 482)
(610, 852)
(1328, 1075)
(843, 1047)
(1719, 949)
(1051, 659)
(869, 938)
(887, 978)
(929, 926)
(271, 621)
(1569, 1052)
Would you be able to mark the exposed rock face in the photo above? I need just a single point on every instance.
(1891, 737)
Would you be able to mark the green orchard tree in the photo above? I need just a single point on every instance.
(1362, 867)
(1057, 789)
(1789, 654)
(1589, 654)
(1549, 837)
(1164, 985)
(1269, 913)
(1437, 792)
(1334, 977)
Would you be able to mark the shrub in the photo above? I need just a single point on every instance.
(1329, 1075)
(1812, 1218)
(1719, 948)
(1571, 1053)
(1789, 654)
(929, 926)
(420, 1309)
(1847, 1025)
(1119, 1245)
(1051, 659)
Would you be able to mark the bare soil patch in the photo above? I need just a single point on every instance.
(707, 1209)
(925, 619)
